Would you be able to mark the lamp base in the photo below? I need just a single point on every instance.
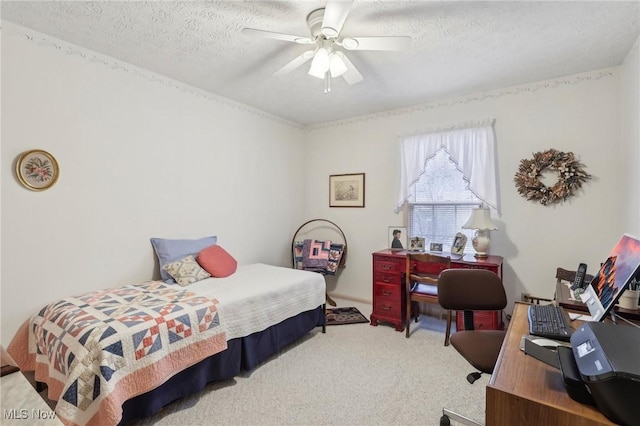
(481, 243)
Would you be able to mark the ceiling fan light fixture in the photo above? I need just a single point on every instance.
(320, 63)
(337, 65)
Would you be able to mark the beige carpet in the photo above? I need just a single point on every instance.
(355, 374)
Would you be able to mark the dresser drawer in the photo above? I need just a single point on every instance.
(482, 320)
(492, 268)
(389, 265)
(387, 278)
(385, 309)
(389, 293)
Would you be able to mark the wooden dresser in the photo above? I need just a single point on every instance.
(389, 298)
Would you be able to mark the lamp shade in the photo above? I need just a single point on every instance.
(480, 219)
(320, 63)
(336, 64)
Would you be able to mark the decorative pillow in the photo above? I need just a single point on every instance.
(216, 261)
(186, 271)
(169, 251)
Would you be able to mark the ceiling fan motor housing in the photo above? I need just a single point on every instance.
(314, 22)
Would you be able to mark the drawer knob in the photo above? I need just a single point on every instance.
(386, 308)
(386, 279)
(386, 292)
(386, 267)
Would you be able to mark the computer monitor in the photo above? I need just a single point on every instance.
(614, 276)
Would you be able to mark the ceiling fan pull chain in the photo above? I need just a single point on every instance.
(327, 82)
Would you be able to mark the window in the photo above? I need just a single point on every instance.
(441, 203)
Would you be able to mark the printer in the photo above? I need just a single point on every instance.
(603, 368)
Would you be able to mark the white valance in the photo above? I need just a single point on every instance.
(471, 149)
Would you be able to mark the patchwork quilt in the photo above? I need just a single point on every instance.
(318, 256)
(99, 349)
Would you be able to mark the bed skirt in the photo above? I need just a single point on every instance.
(242, 354)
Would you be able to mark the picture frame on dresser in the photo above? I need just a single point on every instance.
(459, 243)
(397, 238)
(416, 244)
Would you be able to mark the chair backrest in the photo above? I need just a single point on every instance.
(570, 276)
(471, 289)
(426, 267)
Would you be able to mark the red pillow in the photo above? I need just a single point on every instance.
(216, 261)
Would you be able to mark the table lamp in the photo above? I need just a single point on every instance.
(480, 220)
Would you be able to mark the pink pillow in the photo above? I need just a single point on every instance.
(216, 261)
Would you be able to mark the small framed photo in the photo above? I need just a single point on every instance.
(346, 190)
(416, 243)
(37, 170)
(397, 236)
(459, 242)
(435, 247)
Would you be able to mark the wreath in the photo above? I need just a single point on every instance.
(570, 171)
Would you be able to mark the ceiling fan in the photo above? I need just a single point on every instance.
(327, 60)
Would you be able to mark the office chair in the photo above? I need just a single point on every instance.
(471, 290)
(421, 279)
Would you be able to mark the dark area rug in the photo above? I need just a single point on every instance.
(339, 316)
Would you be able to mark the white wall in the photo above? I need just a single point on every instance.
(140, 156)
(631, 138)
(578, 113)
(144, 156)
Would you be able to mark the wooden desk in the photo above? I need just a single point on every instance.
(526, 391)
(389, 298)
(563, 296)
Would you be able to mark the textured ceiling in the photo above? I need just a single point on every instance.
(458, 48)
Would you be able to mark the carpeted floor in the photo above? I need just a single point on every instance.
(355, 375)
(339, 316)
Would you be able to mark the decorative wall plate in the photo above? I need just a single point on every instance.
(37, 170)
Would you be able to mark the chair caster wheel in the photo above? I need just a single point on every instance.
(444, 420)
(472, 377)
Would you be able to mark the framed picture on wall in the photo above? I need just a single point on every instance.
(397, 236)
(346, 190)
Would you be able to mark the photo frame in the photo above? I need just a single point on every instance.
(37, 170)
(399, 241)
(416, 244)
(346, 190)
(435, 247)
(459, 243)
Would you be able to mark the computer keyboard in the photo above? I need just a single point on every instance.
(549, 321)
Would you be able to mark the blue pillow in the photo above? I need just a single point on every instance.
(169, 251)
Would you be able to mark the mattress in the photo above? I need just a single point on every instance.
(258, 296)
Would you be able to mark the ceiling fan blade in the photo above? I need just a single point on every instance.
(297, 62)
(335, 13)
(277, 36)
(376, 43)
(351, 75)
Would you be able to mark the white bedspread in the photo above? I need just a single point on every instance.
(258, 296)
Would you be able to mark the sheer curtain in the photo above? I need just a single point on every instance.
(471, 149)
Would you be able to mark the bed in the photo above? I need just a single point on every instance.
(116, 355)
